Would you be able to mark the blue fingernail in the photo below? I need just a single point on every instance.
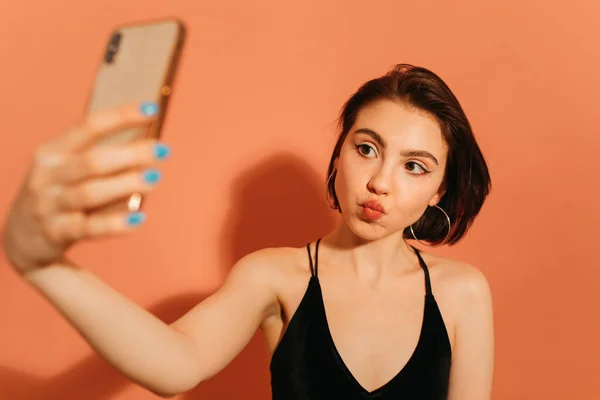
(152, 176)
(161, 151)
(135, 219)
(149, 108)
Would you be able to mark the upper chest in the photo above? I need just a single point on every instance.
(376, 311)
(373, 329)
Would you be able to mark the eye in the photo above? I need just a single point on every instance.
(364, 149)
(416, 168)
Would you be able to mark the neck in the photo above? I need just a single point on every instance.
(370, 259)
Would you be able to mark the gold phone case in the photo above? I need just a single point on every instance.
(139, 65)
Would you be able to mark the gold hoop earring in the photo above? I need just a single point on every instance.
(327, 188)
(449, 228)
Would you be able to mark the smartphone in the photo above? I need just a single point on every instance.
(139, 64)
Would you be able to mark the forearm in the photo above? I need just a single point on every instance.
(135, 342)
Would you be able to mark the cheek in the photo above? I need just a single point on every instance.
(352, 175)
(413, 195)
(343, 184)
(411, 209)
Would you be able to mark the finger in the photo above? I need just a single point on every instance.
(114, 223)
(103, 160)
(100, 124)
(97, 192)
(74, 226)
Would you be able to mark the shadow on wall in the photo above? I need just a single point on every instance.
(280, 202)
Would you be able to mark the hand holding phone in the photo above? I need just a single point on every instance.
(140, 62)
(89, 181)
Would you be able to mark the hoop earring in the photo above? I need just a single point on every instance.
(327, 188)
(449, 228)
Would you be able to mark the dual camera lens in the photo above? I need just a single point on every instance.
(113, 47)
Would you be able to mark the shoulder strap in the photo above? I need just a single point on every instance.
(317, 258)
(428, 290)
(314, 271)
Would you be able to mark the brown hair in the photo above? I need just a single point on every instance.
(466, 178)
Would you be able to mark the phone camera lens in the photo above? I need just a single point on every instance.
(113, 47)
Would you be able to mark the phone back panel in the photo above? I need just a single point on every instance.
(139, 68)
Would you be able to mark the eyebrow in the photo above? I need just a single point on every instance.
(405, 153)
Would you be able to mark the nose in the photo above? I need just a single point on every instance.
(380, 182)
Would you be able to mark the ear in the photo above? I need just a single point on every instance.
(437, 197)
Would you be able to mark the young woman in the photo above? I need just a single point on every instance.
(357, 314)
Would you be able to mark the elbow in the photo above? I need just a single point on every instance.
(174, 390)
(179, 376)
(165, 395)
(163, 389)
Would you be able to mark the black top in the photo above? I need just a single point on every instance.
(307, 366)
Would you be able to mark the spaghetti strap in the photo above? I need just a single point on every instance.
(312, 269)
(428, 290)
(317, 258)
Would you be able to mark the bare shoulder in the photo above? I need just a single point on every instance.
(462, 293)
(272, 265)
(456, 278)
(281, 271)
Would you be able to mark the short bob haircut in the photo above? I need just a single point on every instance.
(466, 179)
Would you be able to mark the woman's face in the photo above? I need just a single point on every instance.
(394, 155)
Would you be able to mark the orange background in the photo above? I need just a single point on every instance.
(252, 128)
